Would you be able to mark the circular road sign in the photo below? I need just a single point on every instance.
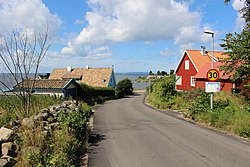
(213, 75)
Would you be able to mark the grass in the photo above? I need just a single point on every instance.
(60, 147)
(10, 107)
(56, 148)
(231, 112)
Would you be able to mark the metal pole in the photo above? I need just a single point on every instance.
(212, 94)
(213, 51)
(149, 86)
(211, 101)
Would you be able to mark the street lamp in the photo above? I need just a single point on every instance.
(212, 33)
(212, 63)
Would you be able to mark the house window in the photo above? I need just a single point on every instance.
(192, 81)
(178, 80)
(186, 64)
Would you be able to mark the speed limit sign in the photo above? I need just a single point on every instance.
(213, 75)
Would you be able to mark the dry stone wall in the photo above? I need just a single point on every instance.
(46, 119)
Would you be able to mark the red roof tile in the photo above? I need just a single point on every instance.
(200, 60)
(203, 72)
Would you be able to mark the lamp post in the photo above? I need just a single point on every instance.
(212, 63)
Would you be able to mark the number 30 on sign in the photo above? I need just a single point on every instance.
(213, 75)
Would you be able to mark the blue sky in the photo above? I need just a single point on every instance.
(132, 35)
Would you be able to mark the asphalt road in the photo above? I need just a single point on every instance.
(129, 134)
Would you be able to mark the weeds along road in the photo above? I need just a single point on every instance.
(129, 134)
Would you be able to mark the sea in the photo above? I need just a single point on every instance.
(118, 77)
(132, 76)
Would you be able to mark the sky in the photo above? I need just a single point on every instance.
(131, 35)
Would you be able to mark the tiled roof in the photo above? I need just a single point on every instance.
(203, 72)
(200, 60)
(97, 77)
(58, 73)
(43, 84)
(72, 76)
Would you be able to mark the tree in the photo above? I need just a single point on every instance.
(124, 87)
(158, 72)
(237, 46)
(163, 73)
(171, 72)
(245, 12)
(21, 53)
(150, 73)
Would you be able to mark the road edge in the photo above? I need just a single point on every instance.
(179, 115)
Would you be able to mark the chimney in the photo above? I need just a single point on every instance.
(68, 69)
(203, 50)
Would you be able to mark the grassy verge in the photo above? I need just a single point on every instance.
(60, 147)
(10, 107)
(231, 112)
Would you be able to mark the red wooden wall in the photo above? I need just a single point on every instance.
(225, 86)
(186, 74)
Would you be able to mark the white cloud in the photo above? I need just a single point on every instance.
(130, 20)
(53, 54)
(31, 15)
(167, 53)
(100, 52)
(237, 5)
(90, 52)
(79, 22)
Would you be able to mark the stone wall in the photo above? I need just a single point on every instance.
(46, 119)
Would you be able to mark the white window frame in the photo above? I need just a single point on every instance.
(187, 64)
(178, 80)
(192, 81)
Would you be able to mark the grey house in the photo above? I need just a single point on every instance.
(59, 88)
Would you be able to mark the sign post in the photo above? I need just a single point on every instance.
(212, 86)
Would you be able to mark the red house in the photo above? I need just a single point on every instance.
(225, 83)
(191, 63)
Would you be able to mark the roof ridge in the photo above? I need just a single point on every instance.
(84, 68)
(206, 50)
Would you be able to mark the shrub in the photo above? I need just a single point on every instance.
(200, 104)
(92, 95)
(164, 88)
(103, 92)
(58, 147)
(85, 92)
(124, 87)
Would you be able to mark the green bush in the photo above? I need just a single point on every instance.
(163, 93)
(75, 121)
(124, 87)
(164, 88)
(200, 104)
(104, 92)
(59, 147)
(93, 95)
